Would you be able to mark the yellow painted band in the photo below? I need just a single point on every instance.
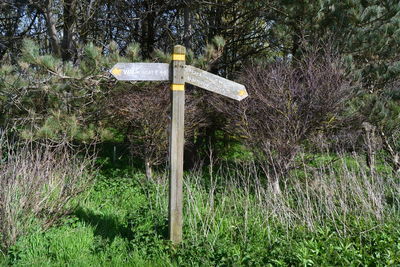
(116, 71)
(180, 57)
(177, 87)
(242, 92)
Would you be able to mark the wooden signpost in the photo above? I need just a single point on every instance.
(179, 74)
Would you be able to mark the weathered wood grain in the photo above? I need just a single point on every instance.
(214, 83)
(176, 146)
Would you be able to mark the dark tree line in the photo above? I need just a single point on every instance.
(365, 31)
(55, 54)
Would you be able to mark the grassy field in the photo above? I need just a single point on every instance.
(336, 215)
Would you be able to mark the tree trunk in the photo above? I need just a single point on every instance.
(69, 21)
(148, 31)
(187, 23)
(276, 188)
(371, 145)
(149, 170)
(85, 26)
(150, 34)
(51, 29)
(273, 179)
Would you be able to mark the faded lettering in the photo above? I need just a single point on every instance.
(215, 83)
(141, 71)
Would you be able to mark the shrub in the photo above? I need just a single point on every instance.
(37, 182)
(143, 114)
(288, 101)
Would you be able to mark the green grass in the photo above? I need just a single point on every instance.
(123, 222)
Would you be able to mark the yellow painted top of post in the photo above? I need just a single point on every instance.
(179, 53)
(179, 57)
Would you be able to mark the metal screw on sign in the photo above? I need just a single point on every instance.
(181, 74)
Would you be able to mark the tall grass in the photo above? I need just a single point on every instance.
(339, 192)
(37, 183)
(331, 212)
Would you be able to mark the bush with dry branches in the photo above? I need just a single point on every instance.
(288, 101)
(143, 114)
(37, 182)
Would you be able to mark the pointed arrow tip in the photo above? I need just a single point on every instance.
(116, 71)
(242, 94)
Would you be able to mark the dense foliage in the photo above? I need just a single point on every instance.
(305, 171)
(60, 82)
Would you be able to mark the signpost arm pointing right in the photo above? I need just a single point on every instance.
(177, 144)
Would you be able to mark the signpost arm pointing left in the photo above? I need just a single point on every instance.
(177, 144)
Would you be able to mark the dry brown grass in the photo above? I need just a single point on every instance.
(37, 182)
(338, 192)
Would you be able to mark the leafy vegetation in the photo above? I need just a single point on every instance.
(229, 220)
(304, 171)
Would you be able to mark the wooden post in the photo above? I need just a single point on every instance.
(176, 144)
(181, 73)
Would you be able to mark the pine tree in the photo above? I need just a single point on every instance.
(44, 97)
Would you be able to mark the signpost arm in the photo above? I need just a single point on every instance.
(177, 144)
